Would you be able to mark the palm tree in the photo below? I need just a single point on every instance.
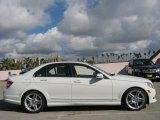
(7, 64)
(97, 57)
(102, 57)
(136, 55)
(145, 54)
(122, 56)
(28, 62)
(140, 55)
(42, 61)
(149, 52)
(118, 58)
(93, 58)
(18, 65)
(130, 55)
(83, 59)
(78, 59)
(111, 54)
(107, 57)
(126, 56)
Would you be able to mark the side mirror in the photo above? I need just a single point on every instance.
(99, 76)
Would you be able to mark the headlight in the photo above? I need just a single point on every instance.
(158, 70)
(149, 84)
(137, 70)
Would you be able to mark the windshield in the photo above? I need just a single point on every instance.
(143, 62)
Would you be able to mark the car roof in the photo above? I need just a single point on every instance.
(66, 62)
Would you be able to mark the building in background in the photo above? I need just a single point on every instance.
(52, 58)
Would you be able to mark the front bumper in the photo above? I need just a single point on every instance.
(148, 75)
(152, 96)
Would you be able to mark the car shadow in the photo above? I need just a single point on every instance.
(83, 108)
(4, 106)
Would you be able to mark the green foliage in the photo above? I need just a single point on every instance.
(90, 62)
(43, 61)
(11, 64)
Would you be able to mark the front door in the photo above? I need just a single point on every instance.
(86, 88)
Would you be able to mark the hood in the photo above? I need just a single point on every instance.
(130, 78)
(146, 67)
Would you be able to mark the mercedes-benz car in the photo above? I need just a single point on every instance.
(144, 68)
(74, 84)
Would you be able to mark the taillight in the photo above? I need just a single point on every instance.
(9, 83)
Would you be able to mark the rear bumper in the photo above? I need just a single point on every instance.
(11, 99)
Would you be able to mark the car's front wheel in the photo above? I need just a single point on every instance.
(33, 102)
(135, 99)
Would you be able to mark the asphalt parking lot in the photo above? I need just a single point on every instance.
(14, 112)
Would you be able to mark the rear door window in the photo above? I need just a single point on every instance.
(52, 70)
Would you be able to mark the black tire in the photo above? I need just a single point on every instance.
(33, 102)
(134, 99)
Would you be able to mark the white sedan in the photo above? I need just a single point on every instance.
(77, 83)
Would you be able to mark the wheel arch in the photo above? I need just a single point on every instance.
(22, 98)
(123, 95)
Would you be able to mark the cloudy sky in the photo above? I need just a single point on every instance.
(78, 27)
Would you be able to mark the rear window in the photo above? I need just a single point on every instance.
(53, 70)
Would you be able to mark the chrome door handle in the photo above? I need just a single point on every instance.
(43, 80)
(77, 81)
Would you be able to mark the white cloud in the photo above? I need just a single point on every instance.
(21, 15)
(108, 25)
(75, 20)
(113, 24)
(139, 45)
(82, 44)
(6, 45)
(55, 41)
(48, 42)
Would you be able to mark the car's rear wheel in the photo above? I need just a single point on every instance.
(33, 102)
(135, 99)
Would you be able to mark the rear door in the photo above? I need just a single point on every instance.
(54, 79)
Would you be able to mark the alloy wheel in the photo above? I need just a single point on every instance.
(33, 102)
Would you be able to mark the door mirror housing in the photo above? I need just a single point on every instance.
(99, 76)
